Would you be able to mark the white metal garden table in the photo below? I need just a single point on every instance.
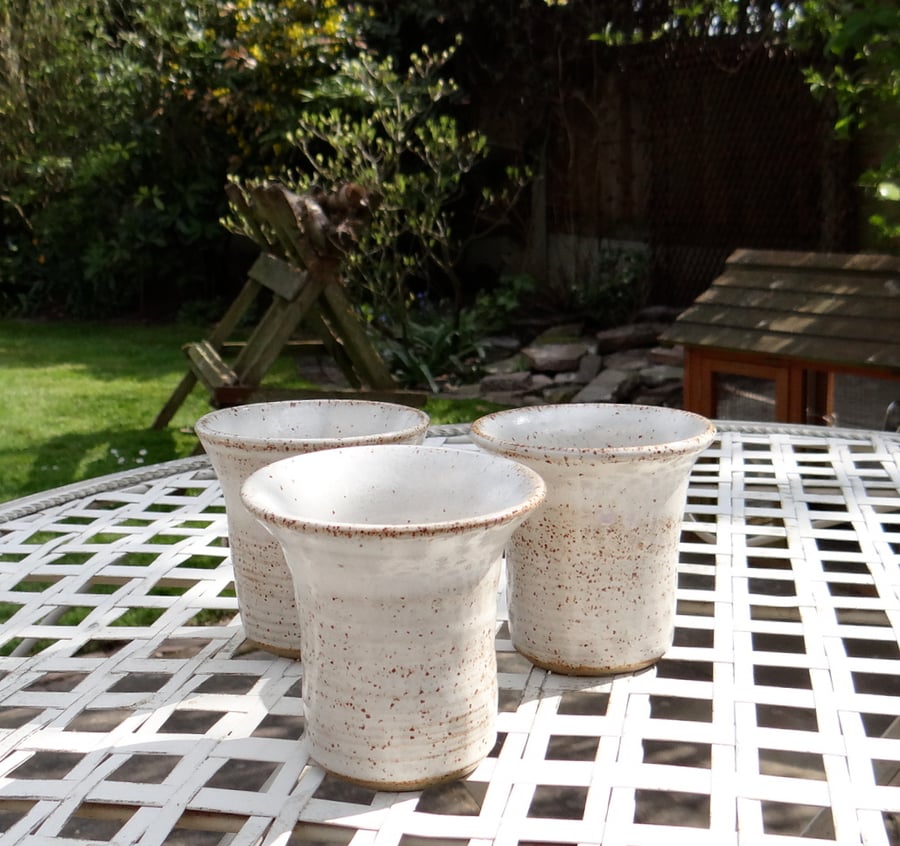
(133, 712)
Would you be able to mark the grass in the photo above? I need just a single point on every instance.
(77, 400)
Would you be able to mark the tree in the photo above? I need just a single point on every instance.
(121, 121)
(104, 162)
(862, 74)
(852, 48)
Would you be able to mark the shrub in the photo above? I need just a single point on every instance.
(121, 122)
(392, 132)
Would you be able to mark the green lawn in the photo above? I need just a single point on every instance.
(77, 400)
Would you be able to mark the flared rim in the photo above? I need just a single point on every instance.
(484, 433)
(534, 491)
(210, 426)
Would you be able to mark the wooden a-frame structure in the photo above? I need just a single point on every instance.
(303, 241)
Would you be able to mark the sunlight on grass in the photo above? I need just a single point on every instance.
(77, 400)
(458, 411)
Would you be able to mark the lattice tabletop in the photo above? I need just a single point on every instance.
(133, 712)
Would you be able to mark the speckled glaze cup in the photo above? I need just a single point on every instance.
(395, 551)
(239, 441)
(591, 575)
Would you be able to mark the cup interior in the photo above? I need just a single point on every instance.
(393, 488)
(593, 427)
(320, 422)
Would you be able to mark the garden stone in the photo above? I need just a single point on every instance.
(564, 333)
(659, 374)
(513, 364)
(467, 391)
(570, 369)
(540, 381)
(509, 343)
(636, 359)
(553, 358)
(589, 366)
(629, 336)
(609, 386)
(519, 381)
(500, 347)
(510, 398)
(569, 377)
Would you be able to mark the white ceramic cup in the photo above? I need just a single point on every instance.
(592, 575)
(242, 439)
(395, 553)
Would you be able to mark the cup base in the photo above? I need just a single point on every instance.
(403, 786)
(564, 668)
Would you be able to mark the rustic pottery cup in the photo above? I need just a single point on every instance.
(591, 575)
(395, 553)
(241, 440)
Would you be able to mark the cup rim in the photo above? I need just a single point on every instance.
(206, 428)
(480, 434)
(273, 517)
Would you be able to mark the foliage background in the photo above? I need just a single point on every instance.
(121, 120)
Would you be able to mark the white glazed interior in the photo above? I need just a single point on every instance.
(317, 423)
(397, 487)
(395, 554)
(599, 429)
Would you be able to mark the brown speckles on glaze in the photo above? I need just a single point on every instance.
(244, 439)
(592, 573)
(397, 618)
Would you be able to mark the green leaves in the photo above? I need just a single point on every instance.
(889, 190)
(386, 129)
(864, 27)
(388, 126)
(121, 122)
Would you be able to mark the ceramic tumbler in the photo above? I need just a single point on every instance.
(592, 575)
(239, 441)
(395, 553)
